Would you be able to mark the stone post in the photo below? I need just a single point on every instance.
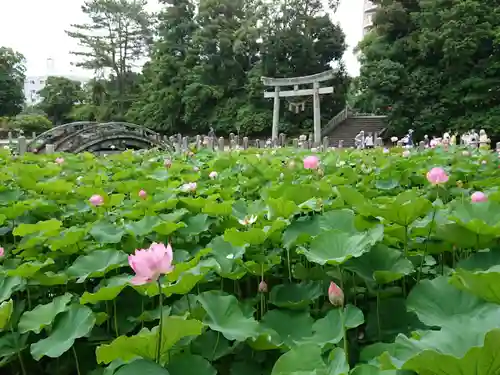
(282, 142)
(295, 143)
(257, 143)
(185, 143)
(498, 147)
(317, 115)
(22, 145)
(245, 143)
(33, 135)
(326, 143)
(276, 112)
(9, 136)
(221, 144)
(198, 142)
(50, 148)
(341, 143)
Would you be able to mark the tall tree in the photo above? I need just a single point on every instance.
(117, 36)
(435, 64)
(59, 96)
(12, 76)
(160, 105)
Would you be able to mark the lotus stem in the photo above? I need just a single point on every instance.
(344, 331)
(115, 318)
(158, 347)
(76, 360)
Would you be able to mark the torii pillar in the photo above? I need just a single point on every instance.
(315, 91)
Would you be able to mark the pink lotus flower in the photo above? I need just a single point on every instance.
(96, 200)
(437, 176)
(335, 295)
(143, 194)
(2, 252)
(213, 175)
(311, 162)
(263, 287)
(478, 196)
(167, 163)
(150, 264)
(59, 160)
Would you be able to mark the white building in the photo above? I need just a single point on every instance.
(369, 10)
(33, 84)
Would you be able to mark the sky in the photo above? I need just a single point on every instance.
(36, 29)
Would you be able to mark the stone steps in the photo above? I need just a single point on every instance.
(350, 127)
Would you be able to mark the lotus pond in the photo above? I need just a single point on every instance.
(363, 265)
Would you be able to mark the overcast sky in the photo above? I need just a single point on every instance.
(36, 29)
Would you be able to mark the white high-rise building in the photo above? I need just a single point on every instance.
(33, 84)
(369, 10)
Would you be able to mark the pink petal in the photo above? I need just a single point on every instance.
(140, 280)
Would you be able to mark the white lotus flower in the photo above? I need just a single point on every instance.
(248, 220)
(189, 187)
(213, 175)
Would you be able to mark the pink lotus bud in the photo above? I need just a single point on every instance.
(143, 194)
(2, 252)
(311, 162)
(335, 295)
(59, 160)
(263, 287)
(406, 153)
(150, 264)
(437, 176)
(213, 175)
(479, 196)
(96, 200)
(167, 163)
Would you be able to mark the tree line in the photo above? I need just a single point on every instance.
(204, 60)
(432, 65)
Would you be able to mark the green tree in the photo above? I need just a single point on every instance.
(160, 104)
(12, 76)
(29, 123)
(59, 96)
(116, 38)
(435, 64)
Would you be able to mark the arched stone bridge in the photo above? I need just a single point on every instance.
(97, 137)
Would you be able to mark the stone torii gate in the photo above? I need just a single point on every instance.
(316, 91)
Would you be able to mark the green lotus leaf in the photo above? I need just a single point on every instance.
(195, 225)
(336, 247)
(381, 264)
(6, 309)
(143, 367)
(307, 359)
(105, 232)
(484, 284)
(225, 315)
(330, 328)
(97, 264)
(211, 345)
(437, 303)
(372, 370)
(68, 237)
(28, 269)
(47, 226)
(252, 236)
(405, 208)
(295, 295)
(225, 253)
(143, 227)
(9, 285)
(189, 364)
(144, 344)
(107, 290)
(281, 208)
(74, 323)
(293, 328)
(43, 315)
(480, 218)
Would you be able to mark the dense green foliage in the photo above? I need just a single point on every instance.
(418, 264)
(436, 64)
(11, 82)
(206, 66)
(59, 96)
(25, 123)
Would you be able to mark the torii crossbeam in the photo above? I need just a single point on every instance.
(316, 91)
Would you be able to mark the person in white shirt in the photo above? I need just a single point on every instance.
(369, 141)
